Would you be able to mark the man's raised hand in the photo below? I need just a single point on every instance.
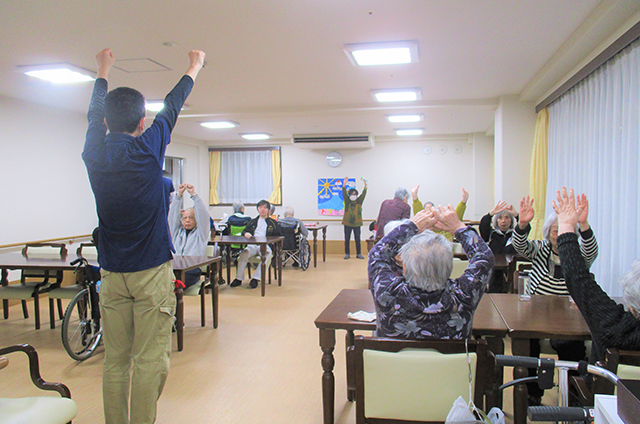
(105, 60)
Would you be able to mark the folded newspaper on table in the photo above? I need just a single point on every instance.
(362, 316)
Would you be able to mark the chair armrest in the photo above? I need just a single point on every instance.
(3, 362)
(34, 369)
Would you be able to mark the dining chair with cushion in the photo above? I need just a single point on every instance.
(35, 281)
(39, 409)
(417, 381)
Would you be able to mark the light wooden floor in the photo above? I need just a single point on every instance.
(262, 364)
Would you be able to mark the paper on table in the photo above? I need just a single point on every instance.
(362, 316)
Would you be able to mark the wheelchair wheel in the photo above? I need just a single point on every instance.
(80, 333)
(304, 254)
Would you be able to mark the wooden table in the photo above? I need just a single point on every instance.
(487, 322)
(16, 261)
(182, 264)
(263, 242)
(315, 228)
(541, 317)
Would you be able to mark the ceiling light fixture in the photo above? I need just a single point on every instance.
(219, 124)
(417, 117)
(154, 105)
(397, 95)
(256, 136)
(387, 53)
(59, 73)
(412, 131)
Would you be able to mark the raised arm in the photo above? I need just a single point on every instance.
(196, 63)
(201, 212)
(97, 129)
(175, 215)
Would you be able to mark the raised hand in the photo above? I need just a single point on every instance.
(105, 60)
(526, 212)
(465, 195)
(500, 206)
(568, 214)
(424, 220)
(512, 210)
(414, 192)
(447, 219)
(584, 204)
(196, 62)
(181, 188)
(191, 189)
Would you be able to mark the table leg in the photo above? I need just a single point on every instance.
(5, 302)
(315, 248)
(324, 244)
(228, 247)
(495, 344)
(280, 248)
(263, 254)
(520, 347)
(351, 365)
(327, 344)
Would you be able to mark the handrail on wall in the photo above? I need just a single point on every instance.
(67, 240)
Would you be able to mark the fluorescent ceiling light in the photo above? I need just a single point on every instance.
(397, 95)
(389, 53)
(405, 118)
(59, 73)
(412, 131)
(257, 136)
(154, 106)
(219, 124)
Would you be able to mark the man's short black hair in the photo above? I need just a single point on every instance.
(124, 108)
(264, 202)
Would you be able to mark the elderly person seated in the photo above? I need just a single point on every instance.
(290, 221)
(237, 219)
(546, 276)
(610, 325)
(460, 208)
(416, 299)
(393, 210)
(499, 237)
(190, 229)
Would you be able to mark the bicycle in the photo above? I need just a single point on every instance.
(544, 378)
(81, 327)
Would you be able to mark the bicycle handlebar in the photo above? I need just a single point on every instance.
(560, 413)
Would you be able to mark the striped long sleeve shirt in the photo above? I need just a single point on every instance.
(543, 278)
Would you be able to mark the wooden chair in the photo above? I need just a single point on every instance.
(41, 409)
(87, 251)
(416, 381)
(35, 282)
(518, 263)
(208, 282)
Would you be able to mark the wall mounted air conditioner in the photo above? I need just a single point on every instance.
(334, 141)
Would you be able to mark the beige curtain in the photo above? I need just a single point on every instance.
(538, 176)
(276, 194)
(214, 177)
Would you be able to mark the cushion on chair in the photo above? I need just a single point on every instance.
(37, 410)
(65, 292)
(414, 384)
(17, 291)
(193, 290)
(459, 267)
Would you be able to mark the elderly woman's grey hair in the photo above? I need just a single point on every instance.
(548, 222)
(402, 194)
(630, 284)
(238, 206)
(392, 225)
(428, 261)
(500, 214)
(288, 211)
(428, 203)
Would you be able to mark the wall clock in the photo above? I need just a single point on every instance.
(334, 159)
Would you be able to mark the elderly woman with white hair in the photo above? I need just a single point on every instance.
(499, 237)
(610, 325)
(546, 276)
(416, 299)
(393, 210)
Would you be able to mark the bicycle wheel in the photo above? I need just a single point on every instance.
(80, 333)
(304, 254)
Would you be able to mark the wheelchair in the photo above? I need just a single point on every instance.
(295, 247)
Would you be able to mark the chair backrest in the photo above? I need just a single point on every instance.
(88, 251)
(416, 380)
(624, 363)
(459, 266)
(290, 234)
(45, 251)
(236, 230)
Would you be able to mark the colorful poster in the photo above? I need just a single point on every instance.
(330, 201)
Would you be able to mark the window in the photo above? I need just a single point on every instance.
(172, 169)
(246, 175)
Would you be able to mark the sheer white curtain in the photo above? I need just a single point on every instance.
(594, 137)
(245, 175)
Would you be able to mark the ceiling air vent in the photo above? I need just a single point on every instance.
(334, 141)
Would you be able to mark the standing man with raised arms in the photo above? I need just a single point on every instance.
(135, 251)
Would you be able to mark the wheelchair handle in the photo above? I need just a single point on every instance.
(560, 413)
(582, 367)
(517, 361)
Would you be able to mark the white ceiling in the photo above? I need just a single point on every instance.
(278, 66)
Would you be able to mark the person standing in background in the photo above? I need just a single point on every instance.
(352, 219)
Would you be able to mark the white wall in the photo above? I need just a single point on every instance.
(44, 181)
